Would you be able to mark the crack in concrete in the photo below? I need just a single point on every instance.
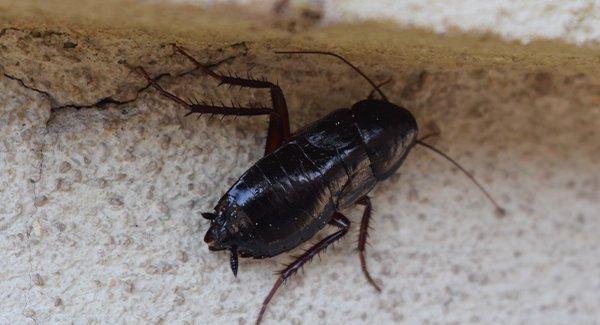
(24, 85)
(110, 100)
(29, 227)
(106, 101)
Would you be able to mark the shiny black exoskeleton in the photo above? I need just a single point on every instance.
(307, 177)
(291, 193)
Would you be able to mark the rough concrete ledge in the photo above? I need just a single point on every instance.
(102, 180)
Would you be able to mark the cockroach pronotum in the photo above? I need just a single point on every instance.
(307, 177)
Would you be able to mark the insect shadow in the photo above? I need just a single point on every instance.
(306, 177)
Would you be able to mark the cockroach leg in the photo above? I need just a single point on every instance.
(201, 108)
(338, 220)
(362, 238)
(161, 89)
(279, 124)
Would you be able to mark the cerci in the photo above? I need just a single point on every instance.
(307, 177)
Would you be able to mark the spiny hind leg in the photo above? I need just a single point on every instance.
(362, 238)
(279, 124)
(204, 108)
(338, 220)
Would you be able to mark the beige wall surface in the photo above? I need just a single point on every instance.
(102, 180)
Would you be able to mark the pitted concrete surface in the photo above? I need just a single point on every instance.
(103, 180)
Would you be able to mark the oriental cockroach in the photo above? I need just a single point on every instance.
(307, 177)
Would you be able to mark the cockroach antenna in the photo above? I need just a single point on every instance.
(345, 61)
(499, 210)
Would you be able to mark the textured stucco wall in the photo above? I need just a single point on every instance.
(103, 181)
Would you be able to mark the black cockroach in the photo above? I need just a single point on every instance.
(306, 177)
